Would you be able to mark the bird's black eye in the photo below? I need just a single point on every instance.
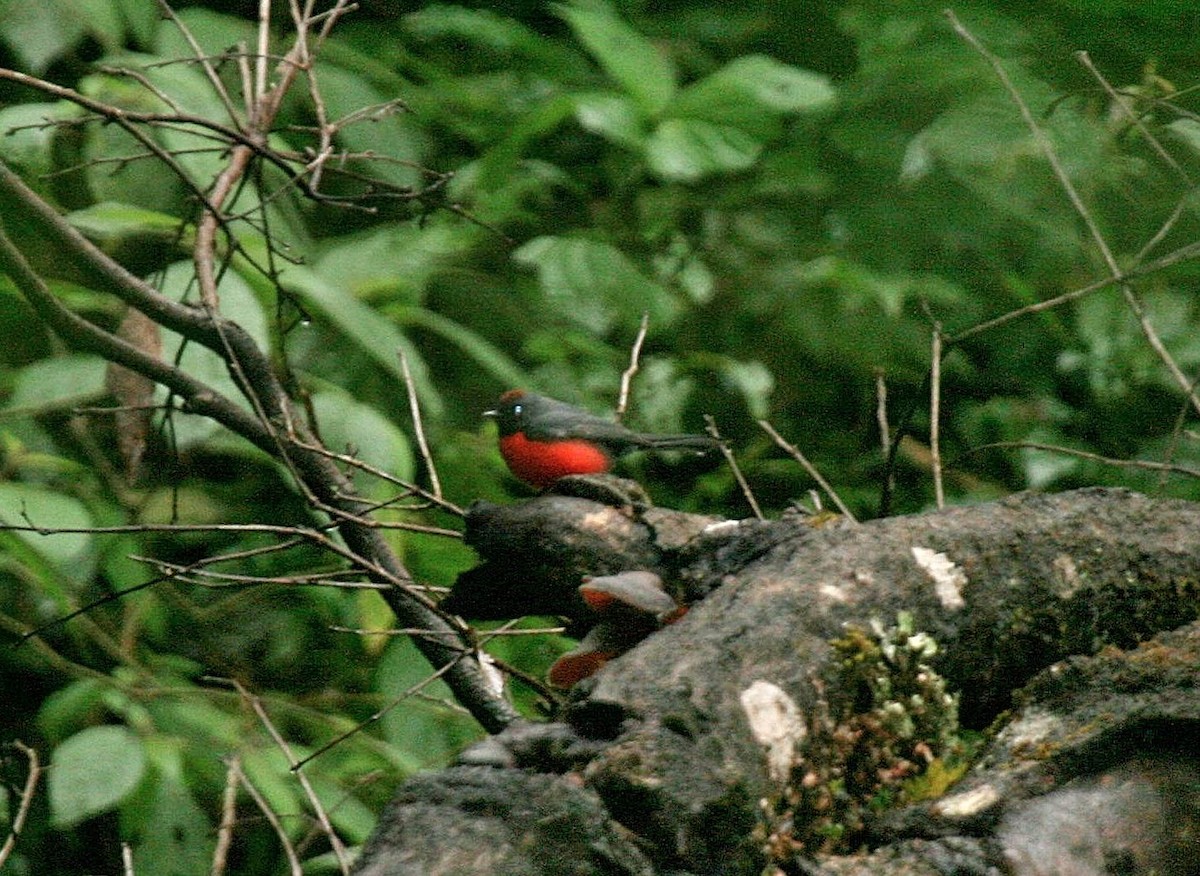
(516, 410)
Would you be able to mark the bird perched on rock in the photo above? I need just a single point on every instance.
(543, 439)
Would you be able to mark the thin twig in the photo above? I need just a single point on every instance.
(379, 713)
(935, 415)
(414, 408)
(261, 802)
(1081, 209)
(1036, 307)
(635, 354)
(734, 467)
(228, 817)
(1125, 104)
(1150, 465)
(31, 780)
(1177, 433)
(795, 452)
(206, 65)
(339, 850)
(260, 63)
(127, 859)
(885, 431)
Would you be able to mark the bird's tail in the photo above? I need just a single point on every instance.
(699, 443)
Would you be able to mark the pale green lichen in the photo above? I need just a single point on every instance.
(888, 735)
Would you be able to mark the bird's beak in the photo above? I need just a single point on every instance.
(491, 413)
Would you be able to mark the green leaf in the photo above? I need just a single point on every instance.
(92, 772)
(112, 222)
(375, 335)
(423, 726)
(348, 426)
(751, 92)
(45, 508)
(40, 33)
(611, 116)
(593, 283)
(390, 132)
(214, 32)
(688, 149)
(27, 134)
(632, 61)
(57, 384)
(174, 836)
(239, 304)
(393, 262)
(141, 19)
(487, 355)
(71, 708)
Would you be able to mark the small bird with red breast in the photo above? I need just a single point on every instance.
(543, 439)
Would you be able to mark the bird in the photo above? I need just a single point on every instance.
(543, 439)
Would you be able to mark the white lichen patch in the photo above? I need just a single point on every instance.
(1029, 731)
(833, 593)
(720, 526)
(1067, 579)
(968, 803)
(777, 725)
(948, 579)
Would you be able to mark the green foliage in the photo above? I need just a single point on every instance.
(794, 208)
(92, 772)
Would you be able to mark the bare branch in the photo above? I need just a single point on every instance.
(414, 408)
(260, 801)
(1119, 276)
(935, 415)
(31, 781)
(799, 456)
(734, 467)
(228, 816)
(339, 850)
(635, 353)
(1125, 103)
(1168, 467)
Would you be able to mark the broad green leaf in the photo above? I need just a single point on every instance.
(27, 134)
(374, 335)
(688, 149)
(141, 239)
(389, 131)
(92, 772)
(594, 283)
(751, 92)
(431, 732)
(486, 355)
(214, 32)
(239, 304)
(57, 384)
(348, 426)
(173, 835)
(611, 116)
(267, 768)
(40, 33)
(193, 717)
(141, 18)
(483, 30)
(29, 504)
(352, 819)
(633, 61)
(71, 708)
(111, 222)
(392, 262)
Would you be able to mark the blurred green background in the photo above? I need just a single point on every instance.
(795, 193)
